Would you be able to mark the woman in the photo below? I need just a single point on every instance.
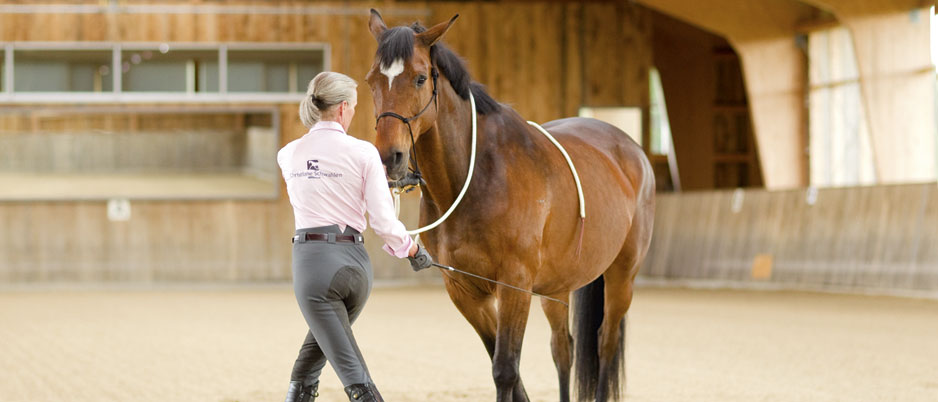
(332, 180)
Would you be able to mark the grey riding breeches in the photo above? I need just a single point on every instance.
(331, 282)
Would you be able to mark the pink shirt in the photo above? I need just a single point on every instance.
(334, 178)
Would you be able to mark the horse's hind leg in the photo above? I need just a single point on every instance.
(561, 343)
(618, 298)
(619, 279)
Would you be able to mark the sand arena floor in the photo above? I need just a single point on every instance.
(238, 345)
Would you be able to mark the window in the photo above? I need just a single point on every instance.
(934, 37)
(62, 71)
(146, 72)
(841, 153)
(138, 152)
(934, 61)
(272, 71)
(167, 70)
(662, 159)
(660, 126)
(628, 119)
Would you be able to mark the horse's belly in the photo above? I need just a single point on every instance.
(610, 201)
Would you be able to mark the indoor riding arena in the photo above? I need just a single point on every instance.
(145, 225)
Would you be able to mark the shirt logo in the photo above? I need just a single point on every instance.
(312, 171)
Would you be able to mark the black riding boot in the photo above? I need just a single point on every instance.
(363, 393)
(298, 393)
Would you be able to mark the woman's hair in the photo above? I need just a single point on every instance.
(325, 91)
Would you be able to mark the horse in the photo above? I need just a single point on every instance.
(518, 222)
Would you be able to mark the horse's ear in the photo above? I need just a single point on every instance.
(432, 35)
(376, 24)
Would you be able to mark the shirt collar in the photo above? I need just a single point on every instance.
(327, 126)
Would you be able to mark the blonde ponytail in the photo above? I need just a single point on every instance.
(324, 92)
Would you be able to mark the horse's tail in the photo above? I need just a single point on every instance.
(587, 317)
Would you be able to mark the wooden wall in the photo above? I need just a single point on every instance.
(684, 61)
(707, 107)
(880, 237)
(546, 59)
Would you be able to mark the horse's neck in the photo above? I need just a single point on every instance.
(444, 151)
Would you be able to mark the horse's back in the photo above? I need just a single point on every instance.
(610, 141)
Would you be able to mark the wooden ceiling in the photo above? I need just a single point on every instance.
(755, 19)
(738, 19)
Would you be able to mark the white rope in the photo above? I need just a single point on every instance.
(472, 164)
(576, 177)
(396, 194)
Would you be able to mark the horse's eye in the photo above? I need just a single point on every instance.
(421, 79)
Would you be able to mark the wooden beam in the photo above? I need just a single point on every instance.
(870, 7)
(763, 33)
(891, 40)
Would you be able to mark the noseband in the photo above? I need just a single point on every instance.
(416, 178)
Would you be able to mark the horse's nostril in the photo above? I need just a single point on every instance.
(398, 157)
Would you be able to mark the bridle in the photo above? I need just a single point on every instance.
(416, 178)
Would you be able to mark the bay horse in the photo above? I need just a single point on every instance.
(519, 221)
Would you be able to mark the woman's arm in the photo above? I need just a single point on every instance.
(380, 209)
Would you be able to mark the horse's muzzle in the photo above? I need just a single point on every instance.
(396, 164)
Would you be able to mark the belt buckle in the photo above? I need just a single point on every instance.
(330, 237)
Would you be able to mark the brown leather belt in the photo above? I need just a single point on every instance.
(328, 237)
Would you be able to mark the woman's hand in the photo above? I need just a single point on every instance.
(421, 260)
(413, 250)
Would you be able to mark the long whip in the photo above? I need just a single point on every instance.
(449, 268)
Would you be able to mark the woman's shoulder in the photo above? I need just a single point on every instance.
(363, 147)
(291, 144)
(287, 149)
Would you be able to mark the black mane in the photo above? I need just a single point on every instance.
(398, 43)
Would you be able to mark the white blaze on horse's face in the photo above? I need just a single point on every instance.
(395, 69)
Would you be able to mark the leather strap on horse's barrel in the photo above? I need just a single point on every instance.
(576, 178)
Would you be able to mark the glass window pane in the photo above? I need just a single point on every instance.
(305, 74)
(272, 70)
(157, 76)
(172, 71)
(841, 151)
(660, 125)
(243, 76)
(208, 76)
(62, 71)
(277, 76)
(628, 119)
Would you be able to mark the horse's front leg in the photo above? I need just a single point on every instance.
(477, 307)
(513, 307)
